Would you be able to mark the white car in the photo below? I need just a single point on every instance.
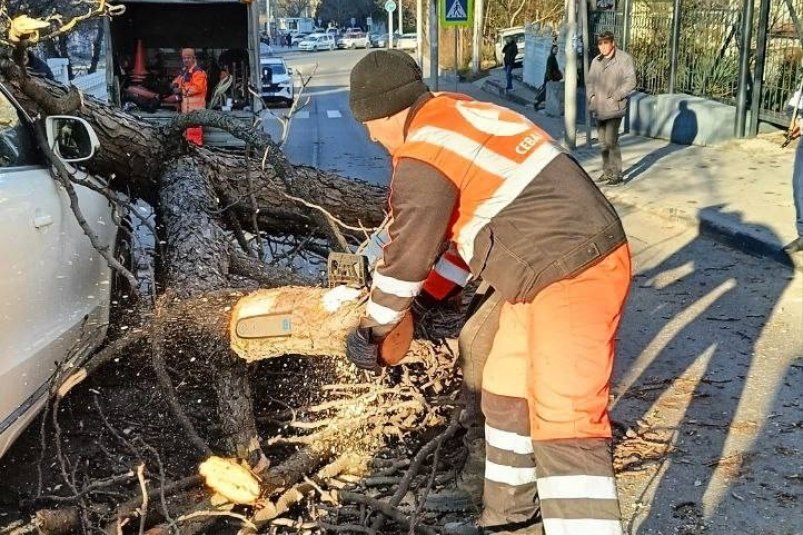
(54, 287)
(297, 38)
(277, 80)
(353, 40)
(406, 41)
(315, 42)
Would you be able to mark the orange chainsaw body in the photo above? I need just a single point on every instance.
(395, 345)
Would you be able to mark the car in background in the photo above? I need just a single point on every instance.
(516, 33)
(315, 42)
(353, 40)
(297, 37)
(55, 287)
(277, 80)
(378, 40)
(405, 41)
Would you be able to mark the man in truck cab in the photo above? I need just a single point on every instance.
(190, 86)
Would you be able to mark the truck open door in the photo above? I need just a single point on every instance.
(144, 57)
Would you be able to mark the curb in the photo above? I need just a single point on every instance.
(718, 229)
(492, 87)
(741, 239)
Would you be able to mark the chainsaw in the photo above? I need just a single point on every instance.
(346, 270)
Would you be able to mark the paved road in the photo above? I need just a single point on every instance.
(709, 366)
(323, 133)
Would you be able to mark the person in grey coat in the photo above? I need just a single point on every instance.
(611, 81)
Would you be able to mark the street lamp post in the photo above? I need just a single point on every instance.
(267, 16)
(419, 32)
(570, 87)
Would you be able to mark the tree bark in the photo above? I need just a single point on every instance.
(134, 154)
(197, 248)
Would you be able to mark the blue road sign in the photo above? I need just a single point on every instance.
(456, 13)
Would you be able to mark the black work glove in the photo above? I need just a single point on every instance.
(361, 351)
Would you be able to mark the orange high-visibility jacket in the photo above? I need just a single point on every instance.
(519, 211)
(193, 85)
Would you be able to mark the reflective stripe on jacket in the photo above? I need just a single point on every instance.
(519, 210)
(193, 85)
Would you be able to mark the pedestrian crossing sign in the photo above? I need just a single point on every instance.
(456, 13)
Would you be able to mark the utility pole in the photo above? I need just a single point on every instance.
(433, 44)
(675, 45)
(401, 21)
(744, 68)
(419, 32)
(570, 87)
(586, 47)
(476, 43)
(390, 29)
(267, 17)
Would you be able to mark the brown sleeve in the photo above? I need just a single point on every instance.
(421, 203)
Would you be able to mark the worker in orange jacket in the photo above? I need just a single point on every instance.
(479, 191)
(191, 87)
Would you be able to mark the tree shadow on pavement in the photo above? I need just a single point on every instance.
(692, 388)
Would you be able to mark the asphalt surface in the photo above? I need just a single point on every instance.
(322, 131)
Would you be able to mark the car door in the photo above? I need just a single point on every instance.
(54, 288)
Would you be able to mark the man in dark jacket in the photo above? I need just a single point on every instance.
(509, 52)
(611, 81)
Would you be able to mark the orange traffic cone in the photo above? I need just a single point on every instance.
(139, 72)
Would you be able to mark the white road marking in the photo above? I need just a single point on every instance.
(303, 114)
(333, 114)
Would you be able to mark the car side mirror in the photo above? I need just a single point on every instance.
(71, 138)
(289, 70)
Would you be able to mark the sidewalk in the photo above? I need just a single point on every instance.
(739, 193)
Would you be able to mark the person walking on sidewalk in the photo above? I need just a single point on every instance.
(479, 191)
(509, 57)
(552, 74)
(611, 81)
(796, 103)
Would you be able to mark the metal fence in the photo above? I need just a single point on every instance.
(709, 49)
(782, 63)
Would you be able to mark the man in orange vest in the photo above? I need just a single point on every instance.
(479, 191)
(191, 86)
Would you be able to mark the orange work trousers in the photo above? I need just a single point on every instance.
(557, 351)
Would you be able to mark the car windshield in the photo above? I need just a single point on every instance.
(275, 68)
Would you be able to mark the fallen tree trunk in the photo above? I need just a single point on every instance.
(134, 154)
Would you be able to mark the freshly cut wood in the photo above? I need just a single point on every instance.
(317, 321)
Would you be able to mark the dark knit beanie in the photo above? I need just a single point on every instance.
(383, 83)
